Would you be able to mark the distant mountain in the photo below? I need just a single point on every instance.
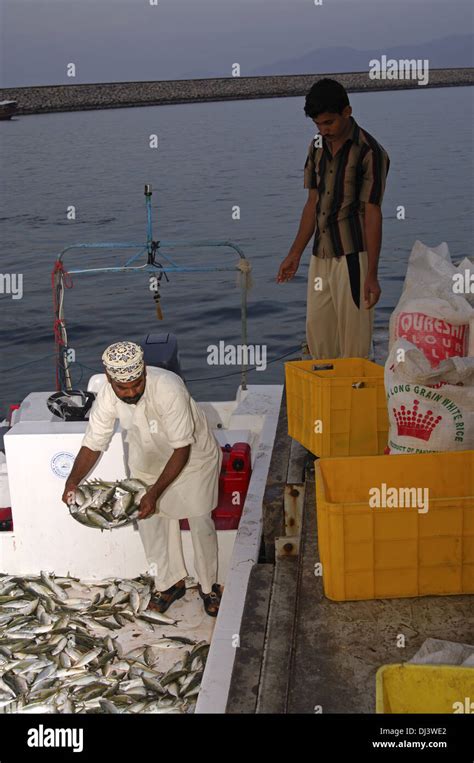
(448, 52)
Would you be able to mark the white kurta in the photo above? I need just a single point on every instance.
(166, 417)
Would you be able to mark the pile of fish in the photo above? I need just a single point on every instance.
(107, 505)
(60, 653)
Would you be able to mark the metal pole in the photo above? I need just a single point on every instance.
(243, 313)
(149, 221)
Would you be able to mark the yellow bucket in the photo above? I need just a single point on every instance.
(411, 688)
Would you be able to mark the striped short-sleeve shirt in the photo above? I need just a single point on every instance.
(356, 175)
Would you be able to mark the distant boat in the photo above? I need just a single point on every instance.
(7, 109)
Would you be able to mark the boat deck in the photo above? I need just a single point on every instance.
(69, 550)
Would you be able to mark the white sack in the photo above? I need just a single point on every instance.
(429, 313)
(429, 409)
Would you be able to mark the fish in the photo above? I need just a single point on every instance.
(145, 599)
(64, 660)
(181, 639)
(157, 709)
(88, 657)
(103, 495)
(80, 517)
(55, 588)
(134, 601)
(108, 706)
(25, 607)
(57, 654)
(137, 707)
(107, 505)
(133, 484)
(165, 643)
(172, 676)
(154, 684)
(156, 617)
(77, 604)
(119, 598)
(192, 684)
(37, 707)
(37, 589)
(96, 520)
(15, 682)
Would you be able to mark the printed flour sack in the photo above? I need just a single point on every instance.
(429, 409)
(433, 312)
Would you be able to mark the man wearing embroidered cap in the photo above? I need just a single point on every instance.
(171, 449)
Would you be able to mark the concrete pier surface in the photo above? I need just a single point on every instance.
(300, 652)
(110, 95)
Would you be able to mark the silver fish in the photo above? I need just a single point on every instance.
(64, 660)
(56, 651)
(76, 604)
(17, 683)
(156, 617)
(96, 520)
(25, 607)
(121, 503)
(102, 496)
(79, 516)
(137, 707)
(119, 597)
(133, 484)
(37, 707)
(108, 706)
(54, 587)
(157, 709)
(134, 600)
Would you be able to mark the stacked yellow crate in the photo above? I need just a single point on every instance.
(388, 526)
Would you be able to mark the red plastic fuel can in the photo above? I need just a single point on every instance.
(6, 521)
(234, 479)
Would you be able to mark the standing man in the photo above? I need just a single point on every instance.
(345, 174)
(172, 450)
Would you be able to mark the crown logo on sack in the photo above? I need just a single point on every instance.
(414, 424)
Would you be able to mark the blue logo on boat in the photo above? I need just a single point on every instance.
(61, 463)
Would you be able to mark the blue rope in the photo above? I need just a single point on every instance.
(28, 363)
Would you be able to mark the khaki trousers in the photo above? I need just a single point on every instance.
(337, 323)
(161, 538)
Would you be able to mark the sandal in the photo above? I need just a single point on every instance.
(160, 601)
(211, 600)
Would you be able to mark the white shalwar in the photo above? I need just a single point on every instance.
(165, 418)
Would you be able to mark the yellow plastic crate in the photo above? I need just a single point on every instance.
(411, 688)
(378, 553)
(338, 411)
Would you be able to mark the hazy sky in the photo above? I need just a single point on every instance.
(124, 40)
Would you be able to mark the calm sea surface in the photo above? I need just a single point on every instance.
(211, 157)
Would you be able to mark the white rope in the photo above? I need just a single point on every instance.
(244, 269)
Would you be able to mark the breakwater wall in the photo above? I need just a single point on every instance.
(51, 98)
